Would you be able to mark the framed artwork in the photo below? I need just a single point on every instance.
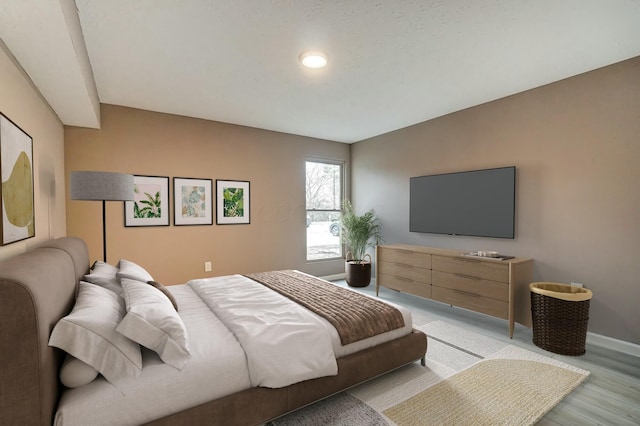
(150, 206)
(192, 201)
(16, 189)
(232, 202)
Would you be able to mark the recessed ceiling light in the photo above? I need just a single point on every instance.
(313, 59)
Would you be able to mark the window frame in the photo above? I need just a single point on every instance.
(342, 188)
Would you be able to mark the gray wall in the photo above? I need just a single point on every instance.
(576, 146)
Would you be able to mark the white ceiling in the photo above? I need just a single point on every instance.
(392, 63)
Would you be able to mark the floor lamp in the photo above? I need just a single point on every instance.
(102, 186)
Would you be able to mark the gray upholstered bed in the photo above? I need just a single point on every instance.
(39, 287)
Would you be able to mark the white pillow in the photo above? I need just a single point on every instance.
(89, 334)
(166, 292)
(132, 271)
(100, 267)
(75, 373)
(152, 321)
(104, 275)
(110, 282)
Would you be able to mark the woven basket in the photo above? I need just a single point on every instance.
(560, 313)
(358, 273)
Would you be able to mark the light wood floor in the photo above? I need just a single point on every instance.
(610, 396)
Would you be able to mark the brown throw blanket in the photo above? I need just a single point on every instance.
(355, 316)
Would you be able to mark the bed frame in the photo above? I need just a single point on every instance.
(38, 287)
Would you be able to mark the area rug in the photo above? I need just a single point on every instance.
(469, 379)
(495, 391)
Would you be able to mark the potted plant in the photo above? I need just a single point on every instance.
(359, 233)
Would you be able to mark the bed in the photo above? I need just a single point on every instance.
(40, 287)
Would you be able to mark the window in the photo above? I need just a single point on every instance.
(324, 197)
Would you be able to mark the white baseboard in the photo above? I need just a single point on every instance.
(613, 344)
(334, 277)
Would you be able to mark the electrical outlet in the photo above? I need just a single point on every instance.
(207, 266)
(577, 285)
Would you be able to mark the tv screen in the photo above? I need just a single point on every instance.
(476, 203)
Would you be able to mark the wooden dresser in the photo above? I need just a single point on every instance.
(499, 288)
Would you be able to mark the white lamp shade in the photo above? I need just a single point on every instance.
(101, 186)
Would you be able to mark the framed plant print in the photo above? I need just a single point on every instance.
(232, 202)
(150, 206)
(192, 201)
(16, 188)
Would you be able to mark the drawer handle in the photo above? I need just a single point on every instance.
(469, 277)
(467, 293)
(403, 279)
(404, 265)
(405, 251)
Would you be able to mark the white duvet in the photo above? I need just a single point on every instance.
(284, 342)
(241, 334)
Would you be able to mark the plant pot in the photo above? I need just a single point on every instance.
(358, 272)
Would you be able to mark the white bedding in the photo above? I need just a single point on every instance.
(284, 342)
(218, 365)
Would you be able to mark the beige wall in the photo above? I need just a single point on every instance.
(148, 143)
(576, 146)
(21, 103)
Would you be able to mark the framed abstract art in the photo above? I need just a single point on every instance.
(16, 191)
(151, 204)
(192, 201)
(233, 202)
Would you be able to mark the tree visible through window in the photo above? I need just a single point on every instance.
(324, 197)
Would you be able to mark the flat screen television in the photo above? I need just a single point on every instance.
(477, 203)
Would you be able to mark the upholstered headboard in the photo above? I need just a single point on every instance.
(37, 288)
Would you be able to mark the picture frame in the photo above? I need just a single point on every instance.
(151, 205)
(192, 201)
(233, 202)
(17, 188)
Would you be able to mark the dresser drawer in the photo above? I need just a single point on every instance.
(407, 257)
(473, 302)
(472, 285)
(405, 285)
(490, 270)
(403, 270)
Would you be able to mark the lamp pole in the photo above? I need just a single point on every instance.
(102, 186)
(104, 230)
